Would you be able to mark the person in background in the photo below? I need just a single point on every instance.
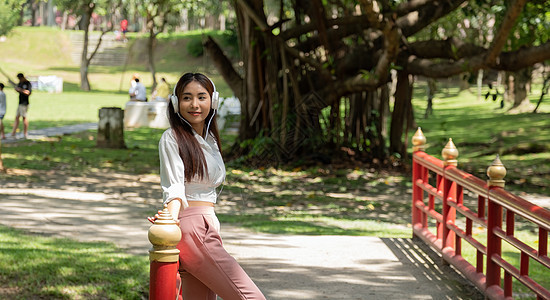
(162, 91)
(133, 80)
(2, 110)
(24, 89)
(138, 92)
(124, 29)
(191, 167)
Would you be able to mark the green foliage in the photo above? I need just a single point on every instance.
(9, 15)
(229, 41)
(533, 26)
(194, 47)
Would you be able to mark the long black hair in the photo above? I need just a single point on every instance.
(189, 148)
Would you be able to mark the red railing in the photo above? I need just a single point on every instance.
(439, 189)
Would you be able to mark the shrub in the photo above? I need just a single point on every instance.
(194, 47)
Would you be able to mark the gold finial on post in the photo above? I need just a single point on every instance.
(496, 172)
(450, 153)
(419, 140)
(165, 235)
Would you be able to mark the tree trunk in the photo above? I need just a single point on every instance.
(64, 20)
(381, 121)
(399, 114)
(432, 87)
(51, 16)
(250, 40)
(543, 92)
(110, 128)
(33, 13)
(521, 102)
(479, 83)
(151, 59)
(84, 62)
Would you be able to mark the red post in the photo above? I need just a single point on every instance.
(419, 142)
(163, 280)
(450, 154)
(496, 173)
(449, 213)
(417, 193)
(494, 221)
(165, 235)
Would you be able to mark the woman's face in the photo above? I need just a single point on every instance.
(195, 105)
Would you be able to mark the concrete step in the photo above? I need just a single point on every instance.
(110, 53)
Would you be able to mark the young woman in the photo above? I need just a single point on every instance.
(191, 167)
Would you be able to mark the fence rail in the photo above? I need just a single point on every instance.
(439, 190)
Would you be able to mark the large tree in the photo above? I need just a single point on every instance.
(9, 15)
(158, 15)
(85, 9)
(315, 74)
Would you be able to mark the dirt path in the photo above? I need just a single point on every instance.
(113, 207)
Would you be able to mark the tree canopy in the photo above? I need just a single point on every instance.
(315, 76)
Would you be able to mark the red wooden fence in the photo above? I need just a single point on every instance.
(439, 189)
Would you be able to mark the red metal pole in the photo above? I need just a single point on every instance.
(165, 235)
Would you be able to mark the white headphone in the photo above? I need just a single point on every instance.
(214, 104)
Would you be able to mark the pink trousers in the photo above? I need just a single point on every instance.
(206, 269)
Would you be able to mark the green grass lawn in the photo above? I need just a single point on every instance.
(35, 267)
(481, 130)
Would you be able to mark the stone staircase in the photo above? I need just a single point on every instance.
(110, 53)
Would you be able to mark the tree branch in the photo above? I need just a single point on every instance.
(223, 64)
(503, 33)
(507, 61)
(410, 6)
(263, 26)
(367, 6)
(391, 49)
(415, 21)
(451, 48)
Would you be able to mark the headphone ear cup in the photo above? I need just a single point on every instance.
(215, 100)
(175, 104)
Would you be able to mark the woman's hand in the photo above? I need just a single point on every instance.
(153, 219)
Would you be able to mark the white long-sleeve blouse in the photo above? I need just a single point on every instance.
(172, 175)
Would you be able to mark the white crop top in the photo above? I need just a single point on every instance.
(172, 175)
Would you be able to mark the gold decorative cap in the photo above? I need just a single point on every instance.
(450, 154)
(419, 140)
(496, 172)
(165, 235)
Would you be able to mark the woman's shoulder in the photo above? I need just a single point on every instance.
(167, 135)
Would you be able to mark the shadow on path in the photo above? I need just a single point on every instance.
(427, 266)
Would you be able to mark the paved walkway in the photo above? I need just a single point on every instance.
(283, 266)
(51, 131)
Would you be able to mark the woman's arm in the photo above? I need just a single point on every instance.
(174, 208)
(172, 171)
